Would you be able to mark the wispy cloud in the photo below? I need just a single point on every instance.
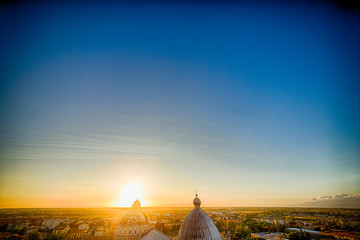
(338, 196)
(341, 200)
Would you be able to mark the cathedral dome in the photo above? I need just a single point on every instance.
(136, 205)
(198, 225)
(135, 216)
(133, 224)
(197, 202)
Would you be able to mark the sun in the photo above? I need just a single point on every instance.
(129, 193)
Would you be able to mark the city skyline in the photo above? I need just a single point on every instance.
(253, 104)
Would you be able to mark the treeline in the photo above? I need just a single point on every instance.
(248, 226)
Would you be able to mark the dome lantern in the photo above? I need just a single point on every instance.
(197, 202)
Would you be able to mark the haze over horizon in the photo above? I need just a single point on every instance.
(253, 104)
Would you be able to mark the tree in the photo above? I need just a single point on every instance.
(15, 237)
(161, 227)
(242, 232)
(254, 238)
(175, 228)
(219, 226)
(294, 236)
(22, 231)
(54, 237)
(231, 226)
(292, 223)
(35, 236)
(3, 227)
(299, 236)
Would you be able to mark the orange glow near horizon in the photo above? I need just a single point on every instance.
(129, 193)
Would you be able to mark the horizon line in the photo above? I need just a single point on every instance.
(2, 208)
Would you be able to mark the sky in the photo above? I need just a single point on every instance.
(252, 103)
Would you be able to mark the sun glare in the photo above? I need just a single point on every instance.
(129, 193)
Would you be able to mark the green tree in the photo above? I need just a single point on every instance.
(241, 232)
(54, 237)
(35, 236)
(175, 228)
(161, 227)
(219, 226)
(231, 226)
(292, 223)
(294, 236)
(15, 237)
(299, 236)
(254, 238)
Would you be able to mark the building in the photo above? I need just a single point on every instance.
(312, 232)
(133, 224)
(269, 236)
(98, 232)
(51, 224)
(154, 234)
(198, 225)
(76, 234)
(61, 229)
(83, 226)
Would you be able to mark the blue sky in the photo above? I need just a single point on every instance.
(249, 103)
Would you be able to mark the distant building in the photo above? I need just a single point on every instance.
(269, 236)
(304, 230)
(98, 232)
(61, 230)
(83, 226)
(283, 222)
(154, 234)
(76, 234)
(51, 224)
(133, 224)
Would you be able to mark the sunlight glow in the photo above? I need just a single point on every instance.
(129, 193)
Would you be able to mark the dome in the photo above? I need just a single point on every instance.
(197, 202)
(135, 216)
(133, 224)
(198, 225)
(136, 204)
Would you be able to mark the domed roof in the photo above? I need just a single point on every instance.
(135, 216)
(136, 204)
(198, 225)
